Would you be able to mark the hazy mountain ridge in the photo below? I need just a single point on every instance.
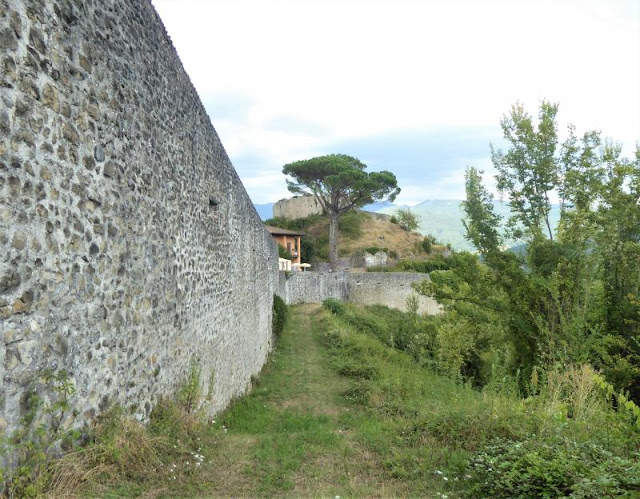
(442, 218)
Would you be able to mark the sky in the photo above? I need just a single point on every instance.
(416, 87)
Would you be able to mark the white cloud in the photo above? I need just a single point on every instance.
(338, 70)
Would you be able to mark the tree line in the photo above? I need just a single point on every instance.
(573, 295)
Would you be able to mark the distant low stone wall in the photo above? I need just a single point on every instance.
(389, 288)
(312, 287)
(367, 288)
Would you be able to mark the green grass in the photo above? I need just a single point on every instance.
(338, 412)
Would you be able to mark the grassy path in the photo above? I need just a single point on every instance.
(294, 435)
(303, 431)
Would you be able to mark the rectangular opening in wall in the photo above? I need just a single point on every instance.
(214, 210)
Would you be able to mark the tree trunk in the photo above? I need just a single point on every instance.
(333, 241)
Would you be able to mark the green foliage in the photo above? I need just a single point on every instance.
(308, 248)
(283, 253)
(299, 224)
(437, 262)
(620, 399)
(350, 224)
(569, 297)
(406, 219)
(190, 393)
(280, 314)
(339, 182)
(563, 440)
(427, 243)
(527, 171)
(372, 250)
(334, 305)
(45, 429)
(553, 467)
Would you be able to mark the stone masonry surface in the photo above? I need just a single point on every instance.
(369, 288)
(128, 245)
(297, 207)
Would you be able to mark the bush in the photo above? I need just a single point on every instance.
(308, 248)
(350, 224)
(372, 250)
(283, 253)
(333, 305)
(280, 313)
(552, 467)
(294, 224)
(426, 244)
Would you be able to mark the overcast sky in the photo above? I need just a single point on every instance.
(414, 87)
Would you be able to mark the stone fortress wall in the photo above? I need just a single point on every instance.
(296, 207)
(128, 245)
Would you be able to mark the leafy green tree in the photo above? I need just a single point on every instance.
(564, 299)
(339, 183)
(527, 171)
(406, 219)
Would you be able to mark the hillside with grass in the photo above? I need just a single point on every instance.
(361, 402)
(358, 231)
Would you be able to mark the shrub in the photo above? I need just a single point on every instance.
(350, 224)
(426, 244)
(280, 313)
(283, 253)
(553, 467)
(372, 250)
(43, 432)
(333, 305)
(308, 248)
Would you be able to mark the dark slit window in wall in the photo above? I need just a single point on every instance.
(214, 211)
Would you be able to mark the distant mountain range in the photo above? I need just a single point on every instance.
(441, 218)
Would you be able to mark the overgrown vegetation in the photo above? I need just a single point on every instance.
(46, 430)
(121, 457)
(566, 438)
(568, 297)
(436, 262)
(427, 244)
(280, 314)
(284, 253)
